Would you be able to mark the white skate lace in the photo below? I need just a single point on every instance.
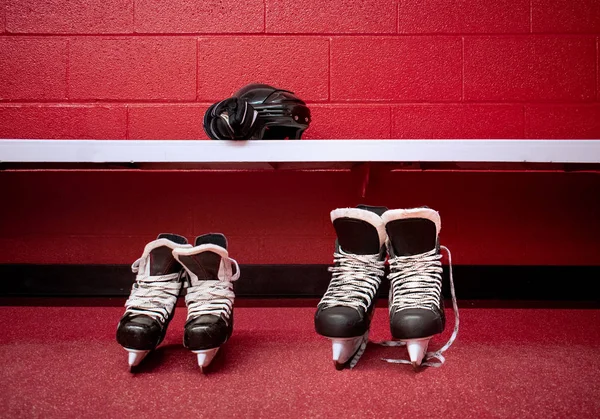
(361, 350)
(416, 282)
(212, 297)
(355, 281)
(153, 296)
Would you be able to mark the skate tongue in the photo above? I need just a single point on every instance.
(412, 232)
(162, 261)
(203, 265)
(357, 237)
(359, 231)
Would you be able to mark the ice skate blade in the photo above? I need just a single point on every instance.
(205, 357)
(344, 349)
(135, 356)
(417, 348)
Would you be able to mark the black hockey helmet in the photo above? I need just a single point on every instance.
(281, 114)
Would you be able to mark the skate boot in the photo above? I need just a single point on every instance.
(345, 311)
(151, 303)
(416, 303)
(210, 295)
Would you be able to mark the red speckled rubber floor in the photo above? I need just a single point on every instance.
(58, 362)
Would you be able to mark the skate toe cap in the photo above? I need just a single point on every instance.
(339, 321)
(415, 323)
(206, 332)
(140, 332)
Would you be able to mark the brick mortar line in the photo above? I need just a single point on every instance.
(391, 115)
(68, 69)
(197, 69)
(525, 122)
(530, 16)
(265, 16)
(462, 73)
(127, 122)
(329, 48)
(398, 16)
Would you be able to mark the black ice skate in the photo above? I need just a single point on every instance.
(345, 311)
(151, 303)
(415, 301)
(209, 296)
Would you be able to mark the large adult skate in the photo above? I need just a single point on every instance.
(153, 297)
(210, 295)
(345, 311)
(416, 303)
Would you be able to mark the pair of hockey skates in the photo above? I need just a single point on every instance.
(408, 238)
(168, 264)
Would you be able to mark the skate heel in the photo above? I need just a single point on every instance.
(135, 356)
(205, 357)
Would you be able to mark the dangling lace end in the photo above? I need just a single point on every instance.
(360, 352)
(438, 353)
(431, 356)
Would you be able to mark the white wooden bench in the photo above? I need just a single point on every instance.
(168, 152)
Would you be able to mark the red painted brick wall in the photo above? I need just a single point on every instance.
(148, 69)
(369, 68)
